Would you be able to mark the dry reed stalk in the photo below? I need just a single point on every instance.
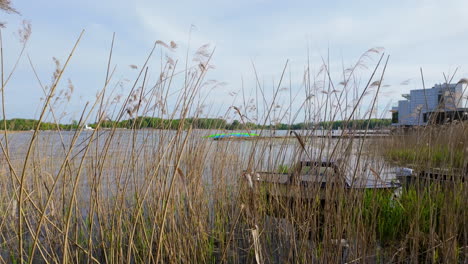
(23, 173)
(169, 196)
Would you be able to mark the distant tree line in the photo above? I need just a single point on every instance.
(159, 123)
(358, 124)
(353, 124)
(218, 123)
(29, 124)
(197, 123)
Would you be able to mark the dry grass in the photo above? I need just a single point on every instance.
(173, 196)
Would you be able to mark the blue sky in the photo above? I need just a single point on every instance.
(428, 34)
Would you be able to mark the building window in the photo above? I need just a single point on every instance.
(394, 117)
(425, 117)
(440, 98)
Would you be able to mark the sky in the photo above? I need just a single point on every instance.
(432, 35)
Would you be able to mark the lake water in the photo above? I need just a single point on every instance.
(255, 154)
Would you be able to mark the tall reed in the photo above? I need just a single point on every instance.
(136, 195)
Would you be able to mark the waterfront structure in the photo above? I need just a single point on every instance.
(439, 104)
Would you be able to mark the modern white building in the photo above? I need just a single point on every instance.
(439, 104)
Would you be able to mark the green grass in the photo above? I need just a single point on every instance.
(434, 156)
(283, 169)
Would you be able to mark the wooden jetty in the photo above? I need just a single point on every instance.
(410, 176)
(313, 179)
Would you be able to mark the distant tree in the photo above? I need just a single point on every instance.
(234, 125)
(74, 125)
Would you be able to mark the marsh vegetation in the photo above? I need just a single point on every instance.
(175, 196)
